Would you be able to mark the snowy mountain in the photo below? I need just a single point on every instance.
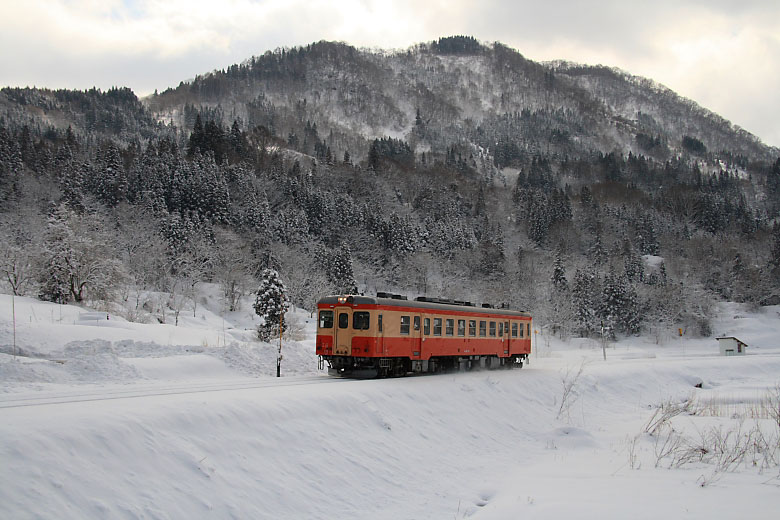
(453, 168)
(633, 225)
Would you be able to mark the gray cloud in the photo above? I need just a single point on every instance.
(721, 53)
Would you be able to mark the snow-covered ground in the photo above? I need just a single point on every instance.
(103, 418)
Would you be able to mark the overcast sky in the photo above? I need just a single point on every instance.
(723, 54)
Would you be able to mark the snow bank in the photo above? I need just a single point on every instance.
(152, 421)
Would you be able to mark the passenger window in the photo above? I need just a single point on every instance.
(450, 327)
(500, 330)
(472, 328)
(492, 329)
(514, 330)
(416, 323)
(343, 320)
(461, 327)
(379, 322)
(529, 330)
(326, 319)
(361, 320)
(427, 326)
(404, 324)
(437, 326)
(482, 329)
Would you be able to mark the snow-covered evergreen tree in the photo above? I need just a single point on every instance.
(271, 303)
(341, 272)
(585, 299)
(558, 277)
(619, 309)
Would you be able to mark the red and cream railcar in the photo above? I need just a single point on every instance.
(388, 335)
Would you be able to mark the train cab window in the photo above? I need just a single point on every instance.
(472, 328)
(343, 320)
(437, 326)
(427, 326)
(404, 324)
(361, 320)
(482, 329)
(379, 322)
(492, 329)
(450, 327)
(514, 330)
(326, 319)
(416, 323)
(461, 327)
(500, 330)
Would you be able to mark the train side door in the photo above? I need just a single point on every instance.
(416, 335)
(507, 338)
(342, 344)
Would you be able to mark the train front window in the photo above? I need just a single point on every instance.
(461, 327)
(404, 324)
(450, 327)
(416, 323)
(326, 319)
(472, 328)
(437, 326)
(492, 329)
(427, 326)
(361, 320)
(343, 320)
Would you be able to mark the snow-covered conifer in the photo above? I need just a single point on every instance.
(271, 303)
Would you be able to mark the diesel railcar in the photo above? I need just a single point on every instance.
(388, 335)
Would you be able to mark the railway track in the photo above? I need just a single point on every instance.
(28, 400)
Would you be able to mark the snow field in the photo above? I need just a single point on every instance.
(121, 427)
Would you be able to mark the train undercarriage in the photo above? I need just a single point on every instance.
(370, 367)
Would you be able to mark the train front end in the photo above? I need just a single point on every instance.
(346, 335)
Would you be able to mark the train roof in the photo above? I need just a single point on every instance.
(434, 304)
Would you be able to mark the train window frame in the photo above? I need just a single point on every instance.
(472, 328)
(514, 329)
(437, 326)
(427, 326)
(449, 327)
(343, 324)
(492, 329)
(462, 328)
(361, 320)
(326, 317)
(416, 323)
(405, 325)
(482, 329)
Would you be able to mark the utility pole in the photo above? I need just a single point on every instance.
(279, 356)
(536, 344)
(13, 311)
(603, 342)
